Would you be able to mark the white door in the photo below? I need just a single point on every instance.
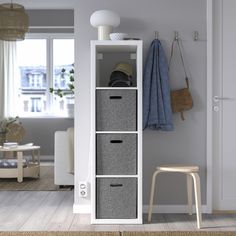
(224, 107)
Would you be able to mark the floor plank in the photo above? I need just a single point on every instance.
(6, 204)
(44, 213)
(62, 218)
(52, 211)
(81, 222)
(24, 205)
(221, 222)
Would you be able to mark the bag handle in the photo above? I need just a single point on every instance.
(182, 59)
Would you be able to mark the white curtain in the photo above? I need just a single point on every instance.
(1, 81)
(9, 83)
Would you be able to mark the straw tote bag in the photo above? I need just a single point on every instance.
(181, 99)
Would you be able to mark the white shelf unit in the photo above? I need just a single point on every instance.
(104, 55)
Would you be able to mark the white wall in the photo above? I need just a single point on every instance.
(187, 144)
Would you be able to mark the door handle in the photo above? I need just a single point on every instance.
(116, 141)
(217, 98)
(116, 185)
(115, 97)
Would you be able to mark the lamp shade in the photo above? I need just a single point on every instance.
(14, 22)
(104, 20)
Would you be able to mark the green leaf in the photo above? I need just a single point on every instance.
(72, 78)
(71, 86)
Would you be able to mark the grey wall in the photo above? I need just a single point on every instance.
(40, 131)
(60, 19)
(187, 144)
(51, 17)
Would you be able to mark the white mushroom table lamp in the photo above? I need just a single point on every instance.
(104, 20)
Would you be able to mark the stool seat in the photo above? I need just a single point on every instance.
(178, 168)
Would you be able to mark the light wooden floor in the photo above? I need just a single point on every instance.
(52, 211)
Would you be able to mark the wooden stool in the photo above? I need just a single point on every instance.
(191, 172)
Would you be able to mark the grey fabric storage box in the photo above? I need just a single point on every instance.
(116, 154)
(116, 198)
(116, 110)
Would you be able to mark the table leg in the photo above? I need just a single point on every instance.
(33, 156)
(38, 159)
(20, 166)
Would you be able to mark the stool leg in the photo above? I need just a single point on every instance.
(190, 193)
(152, 195)
(197, 191)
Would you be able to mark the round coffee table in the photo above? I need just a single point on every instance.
(32, 168)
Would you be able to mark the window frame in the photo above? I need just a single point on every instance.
(49, 37)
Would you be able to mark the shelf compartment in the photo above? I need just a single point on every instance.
(116, 110)
(107, 59)
(116, 154)
(116, 198)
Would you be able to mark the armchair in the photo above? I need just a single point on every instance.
(64, 157)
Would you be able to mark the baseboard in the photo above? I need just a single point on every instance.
(82, 209)
(46, 158)
(224, 212)
(172, 209)
(86, 209)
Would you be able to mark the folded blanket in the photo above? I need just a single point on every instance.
(11, 163)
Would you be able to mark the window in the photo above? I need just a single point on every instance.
(40, 65)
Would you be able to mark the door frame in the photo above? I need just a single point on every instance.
(209, 130)
(216, 89)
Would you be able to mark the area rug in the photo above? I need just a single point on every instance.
(60, 234)
(175, 233)
(44, 183)
(51, 233)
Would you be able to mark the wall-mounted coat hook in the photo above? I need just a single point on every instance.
(176, 35)
(195, 35)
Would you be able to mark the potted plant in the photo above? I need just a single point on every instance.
(69, 90)
(4, 124)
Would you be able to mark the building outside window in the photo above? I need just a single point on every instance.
(40, 63)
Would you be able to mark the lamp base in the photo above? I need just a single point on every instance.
(104, 32)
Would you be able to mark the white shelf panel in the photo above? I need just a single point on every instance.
(109, 46)
(116, 88)
(116, 176)
(117, 221)
(116, 132)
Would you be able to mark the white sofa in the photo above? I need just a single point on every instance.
(64, 157)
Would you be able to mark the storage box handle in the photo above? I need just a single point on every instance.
(115, 97)
(116, 185)
(116, 141)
